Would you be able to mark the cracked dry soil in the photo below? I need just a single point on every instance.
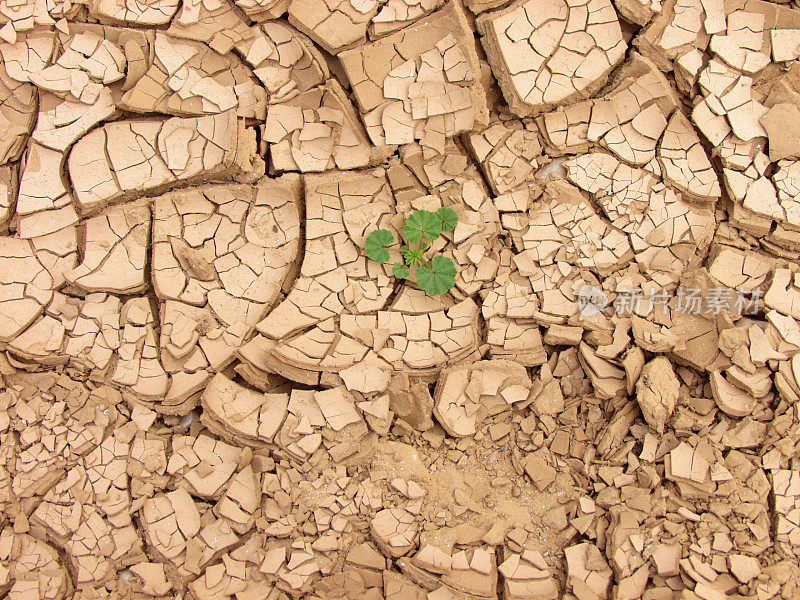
(209, 392)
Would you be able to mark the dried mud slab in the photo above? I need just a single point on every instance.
(420, 83)
(338, 312)
(667, 232)
(185, 77)
(208, 391)
(466, 395)
(125, 159)
(548, 52)
(17, 102)
(158, 12)
(319, 130)
(639, 122)
(26, 287)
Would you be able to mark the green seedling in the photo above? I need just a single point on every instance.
(435, 275)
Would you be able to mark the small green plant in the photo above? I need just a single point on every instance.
(436, 275)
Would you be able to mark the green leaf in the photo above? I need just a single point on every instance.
(399, 270)
(414, 256)
(439, 278)
(449, 218)
(422, 224)
(376, 243)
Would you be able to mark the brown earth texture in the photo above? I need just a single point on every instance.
(208, 390)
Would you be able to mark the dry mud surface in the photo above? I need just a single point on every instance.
(209, 392)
